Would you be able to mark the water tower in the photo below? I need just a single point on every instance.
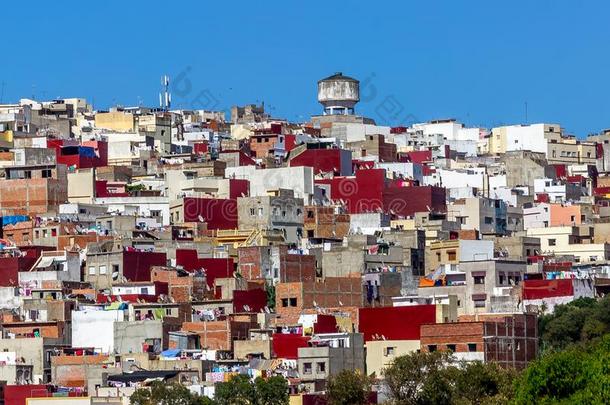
(338, 94)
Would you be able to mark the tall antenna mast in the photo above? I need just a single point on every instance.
(165, 98)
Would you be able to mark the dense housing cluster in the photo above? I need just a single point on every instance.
(186, 246)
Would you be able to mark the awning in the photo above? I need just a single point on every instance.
(171, 353)
(45, 262)
(139, 376)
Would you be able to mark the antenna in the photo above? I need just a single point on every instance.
(165, 98)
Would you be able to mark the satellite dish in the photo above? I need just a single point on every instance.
(200, 218)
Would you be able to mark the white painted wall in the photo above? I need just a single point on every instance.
(92, 328)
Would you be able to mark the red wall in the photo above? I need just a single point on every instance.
(419, 156)
(218, 213)
(17, 394)
(11, 266)
(321, 160)
(256, 299)
(369, 191)
(136, 265)
(200, 148)
(539, 289)
(237, 187)
(395, 323)
(286, 346)
(361, 193)
(325, 324)
(101, 190)
(406, 201)
(215, 268)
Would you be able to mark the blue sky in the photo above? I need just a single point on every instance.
(477, 61)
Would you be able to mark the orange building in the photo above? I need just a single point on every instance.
(565, 215)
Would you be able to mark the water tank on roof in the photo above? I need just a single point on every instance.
(338, 94)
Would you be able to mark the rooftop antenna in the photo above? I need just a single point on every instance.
(165, 98)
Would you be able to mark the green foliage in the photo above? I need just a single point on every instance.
(270, 290)
(273, 391)
(579, 374)
(135, 187)
(348, 388)
(161, 393)
(240, 390)
(584, 319)
(483, 383)
(435, 378)
(419, 378)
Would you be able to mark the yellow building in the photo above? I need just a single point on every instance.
(119, 121)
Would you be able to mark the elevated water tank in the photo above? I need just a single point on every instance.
(338, 94)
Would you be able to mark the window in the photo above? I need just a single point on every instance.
(552, 242)
(27, 174)
(489, 220)
(284, 302)
(321, 367)
(451, 348)
(293, 302)
(252, 211)
(306, 368)
(168, 311)
(573, 218)
(115, 269)
(309, 214)
(103, 269)
(431, 348)
(299, 212)
(472, 347)
(53, 231)
(46, 173)
(260, 211)
(479, 303)
(390, 351)
(479, 279)
(91, 270)
(452, 255)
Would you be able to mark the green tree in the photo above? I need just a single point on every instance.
(240, 390)
(160, 393)
(348, 388)
(581, 320)
(272, 391)
(579, 374)
(480, 383)
(419, 378)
